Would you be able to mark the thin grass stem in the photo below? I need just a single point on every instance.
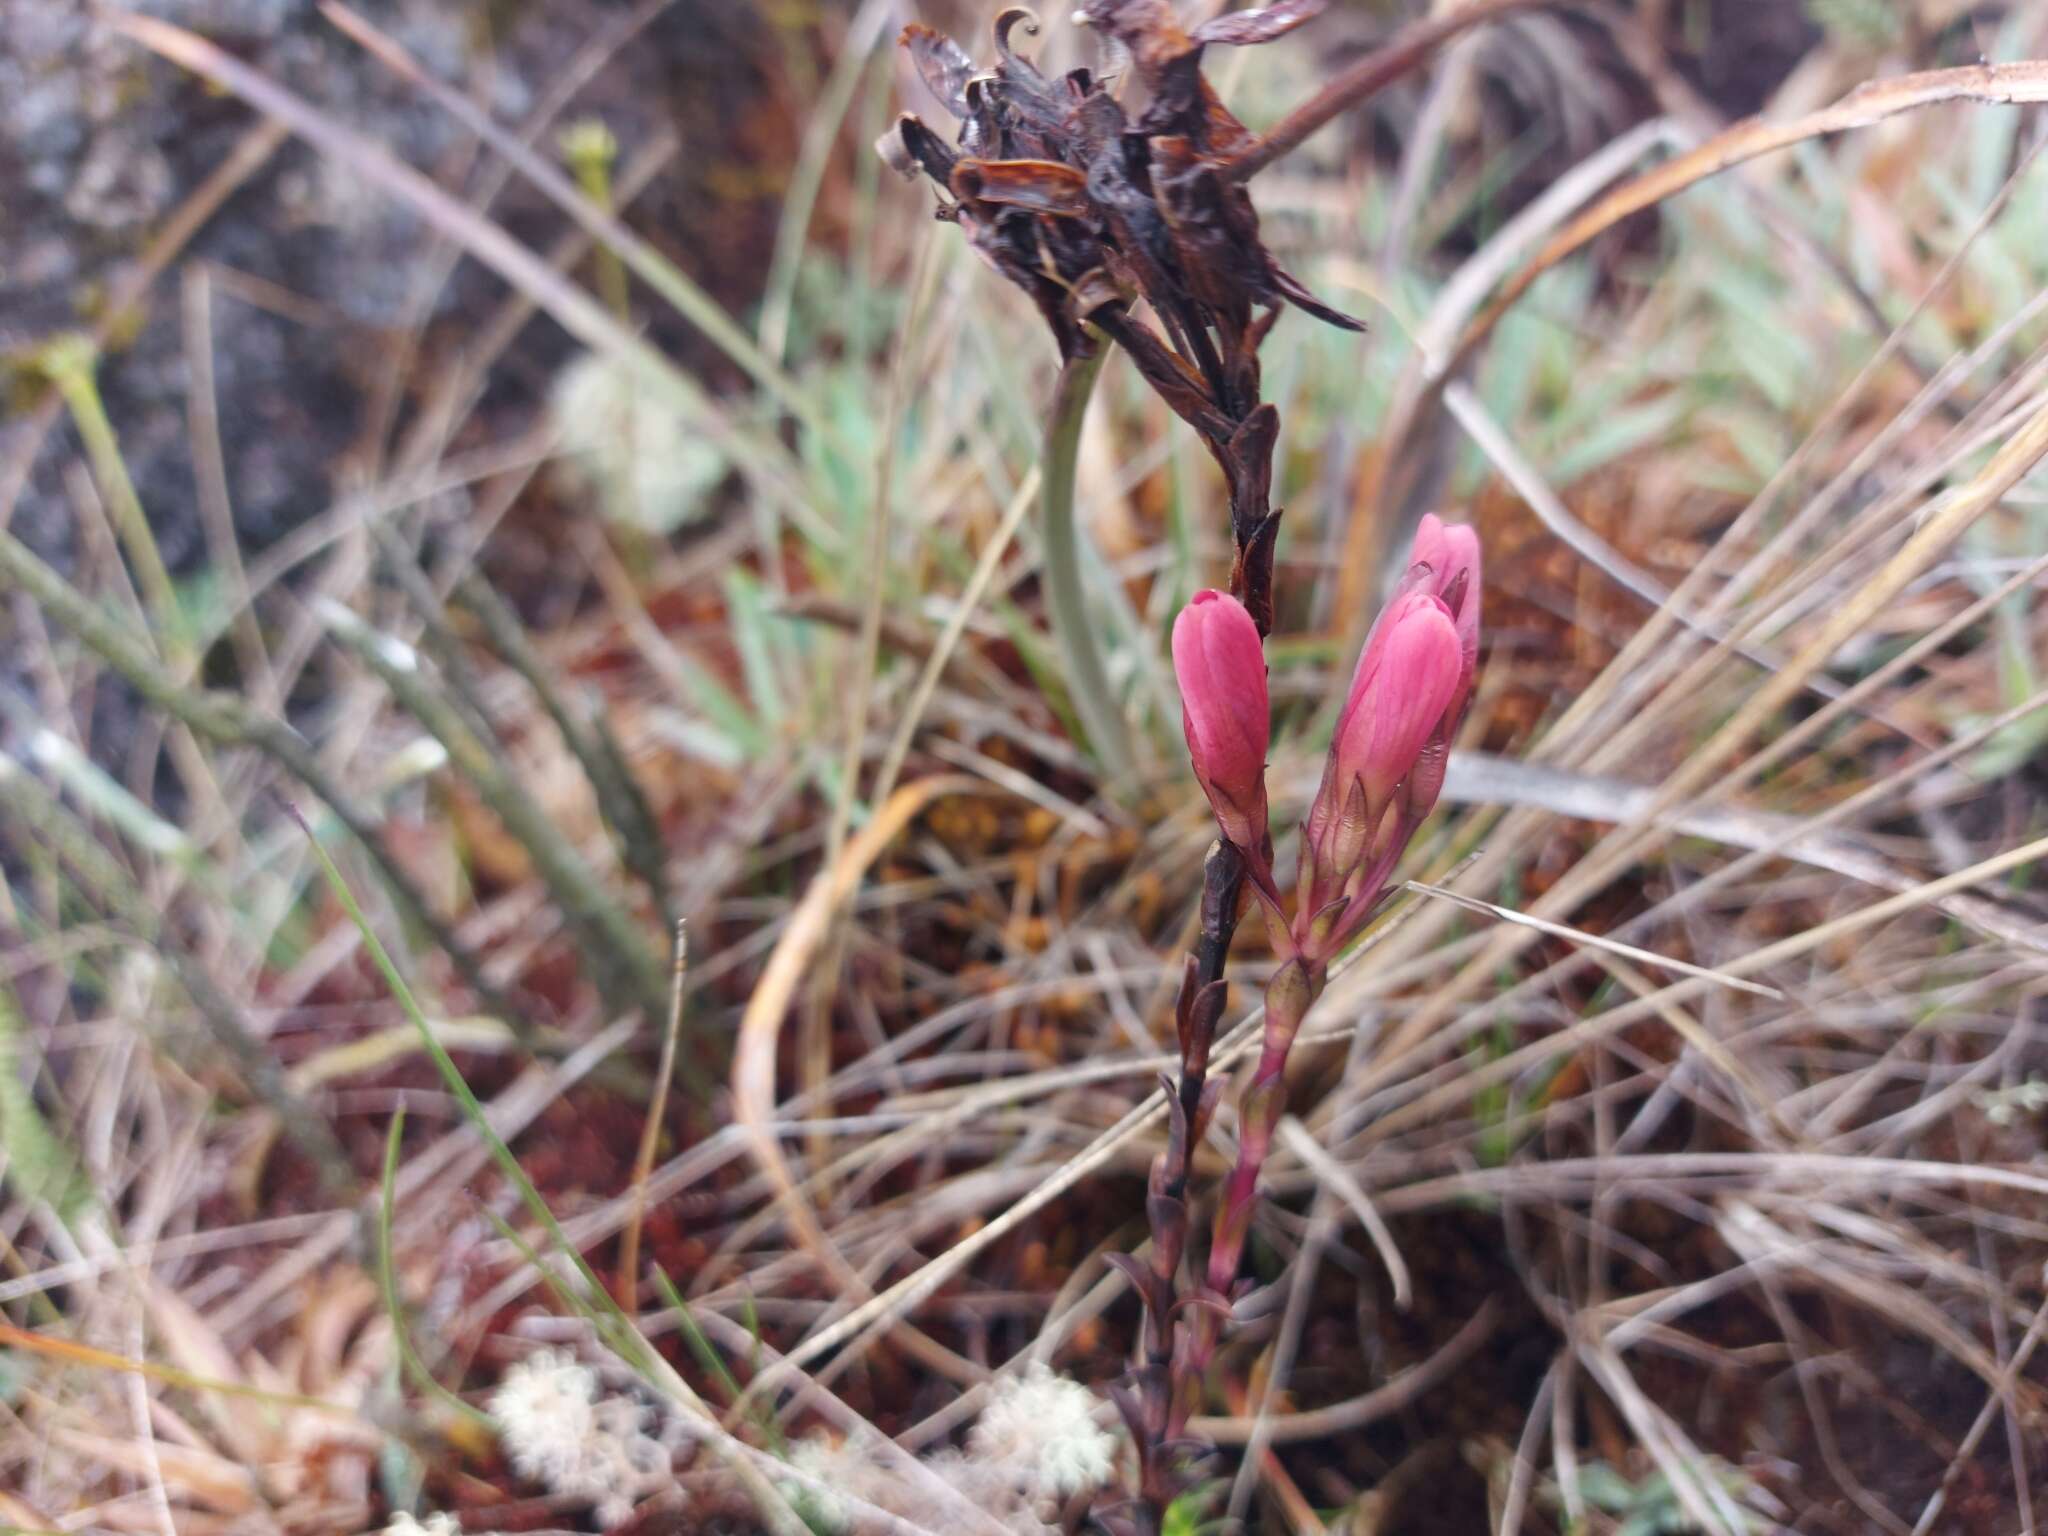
(591, 150)
(68, 362)
(387, 1282)
(650, 1132)
(1066, 596)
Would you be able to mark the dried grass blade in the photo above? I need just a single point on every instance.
(650, 1133)
(1873, 101)
(1407, 50)
(1391, 1396)
(1477, 778)
(1333, 1173)
(1940, 523)
(1592, 940)
(73, 1353)
(753, 1068)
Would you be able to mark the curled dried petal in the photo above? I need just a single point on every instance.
(1006, 21)
(1243, 28)
(896, 154)
(942, 64)
(1289, 287)
(925, 147)
(1036, 186)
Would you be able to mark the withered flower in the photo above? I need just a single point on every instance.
(1090, 210)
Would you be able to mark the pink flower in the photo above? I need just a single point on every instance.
(1445, 563)
(1451, 551)
(1221, 666)
(1407, 678)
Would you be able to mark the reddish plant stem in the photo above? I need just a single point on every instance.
(1222, 890)
(1160, 1393)
(1289, 995)
(1183, 1324)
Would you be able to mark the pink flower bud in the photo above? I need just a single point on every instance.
(1406, 680)
(1398, 694)
(1449, 554)
(1451, 551)
(1221, 666)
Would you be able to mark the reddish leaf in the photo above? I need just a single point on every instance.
(1291, 289)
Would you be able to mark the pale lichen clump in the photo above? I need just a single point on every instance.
(826, 1465)
(1047, 1432)
(1040, 1441)
(560, 1428)
(635, 444)
(436, 1524)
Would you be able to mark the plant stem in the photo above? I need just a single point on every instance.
(68, 363)
(650, 1133)
(591, 150)
(1162, 1392)
(1102, 718)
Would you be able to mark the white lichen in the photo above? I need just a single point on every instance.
(994, 1488)
(1039, 1442)
(826, 1465)
(436, 1524)
(635, 443)
(1045, 1431)
(560, 1428)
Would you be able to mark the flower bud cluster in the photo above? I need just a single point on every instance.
(1388, 753)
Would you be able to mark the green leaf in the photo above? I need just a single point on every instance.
(39, 1164)
(759, 636)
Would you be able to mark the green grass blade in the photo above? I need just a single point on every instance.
(387, 1283)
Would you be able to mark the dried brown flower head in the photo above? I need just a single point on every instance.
(1090, 211)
